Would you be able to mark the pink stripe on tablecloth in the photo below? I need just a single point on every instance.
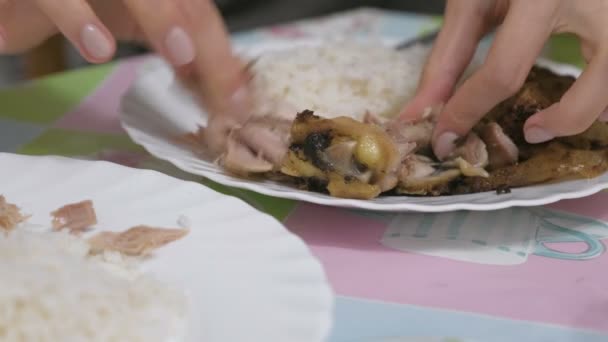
(568, 293)
(99, 111)
(595, 206)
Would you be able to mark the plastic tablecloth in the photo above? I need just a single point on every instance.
(536, 274)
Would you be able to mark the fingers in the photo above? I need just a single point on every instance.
(165, 28)
(455, 46)
(517, 44)
(580, 106)
(77, 21)
(223, 79)
(192, 36)
(119, 20)
(22, 26)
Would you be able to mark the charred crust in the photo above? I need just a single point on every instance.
(503, 189)
(317, 185)
(360, 167)
(296, 147)
(313, 147)
(596, 144)
(306, 115)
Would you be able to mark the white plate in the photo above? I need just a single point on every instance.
(154, 111)
(246, 276)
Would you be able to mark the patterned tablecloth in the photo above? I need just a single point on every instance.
(515, 275)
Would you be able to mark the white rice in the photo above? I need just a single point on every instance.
(52, 291)
(339, 78)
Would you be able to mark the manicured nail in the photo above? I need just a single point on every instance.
(179, 46)
(445, 145)
(603, 117)
(96, 43)
(537, 135)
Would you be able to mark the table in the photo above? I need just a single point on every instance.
(492, 288)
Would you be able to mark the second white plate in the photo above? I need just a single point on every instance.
(246, 277)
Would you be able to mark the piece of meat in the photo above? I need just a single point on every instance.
(418, 133)
(595, 137)
(10, 215)
(373, 119)
(541, 89)
(405, 149)
(473, 150)
(197, 142)
(257, 146)
(350, 157)
(268, 136)
(550, 162)
(345, 187)
(261, 128)
(136, 241)
(421, 176)
(501, 149)
(339, 157)
(299, 165)
(241, 160)
(75, 217)
(467, 169)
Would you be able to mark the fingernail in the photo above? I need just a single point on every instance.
(96, 44)
(536, 135)
(179, 46)
(603, 117)
(445, 145)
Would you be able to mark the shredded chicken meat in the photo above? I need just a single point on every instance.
(10, 215)
(352, 159)
(136, 241)
(502, 151)
(75, 217)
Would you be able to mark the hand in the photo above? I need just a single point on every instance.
(525, 27)
(190, 34)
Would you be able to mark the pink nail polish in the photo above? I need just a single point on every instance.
(537, 135)
(179, 46)
(445, 145)
(95, 42)
(603, 117)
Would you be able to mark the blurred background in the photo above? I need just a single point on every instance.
(240, 15)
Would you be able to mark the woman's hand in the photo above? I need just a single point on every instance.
(524, 28)
(190, 34)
